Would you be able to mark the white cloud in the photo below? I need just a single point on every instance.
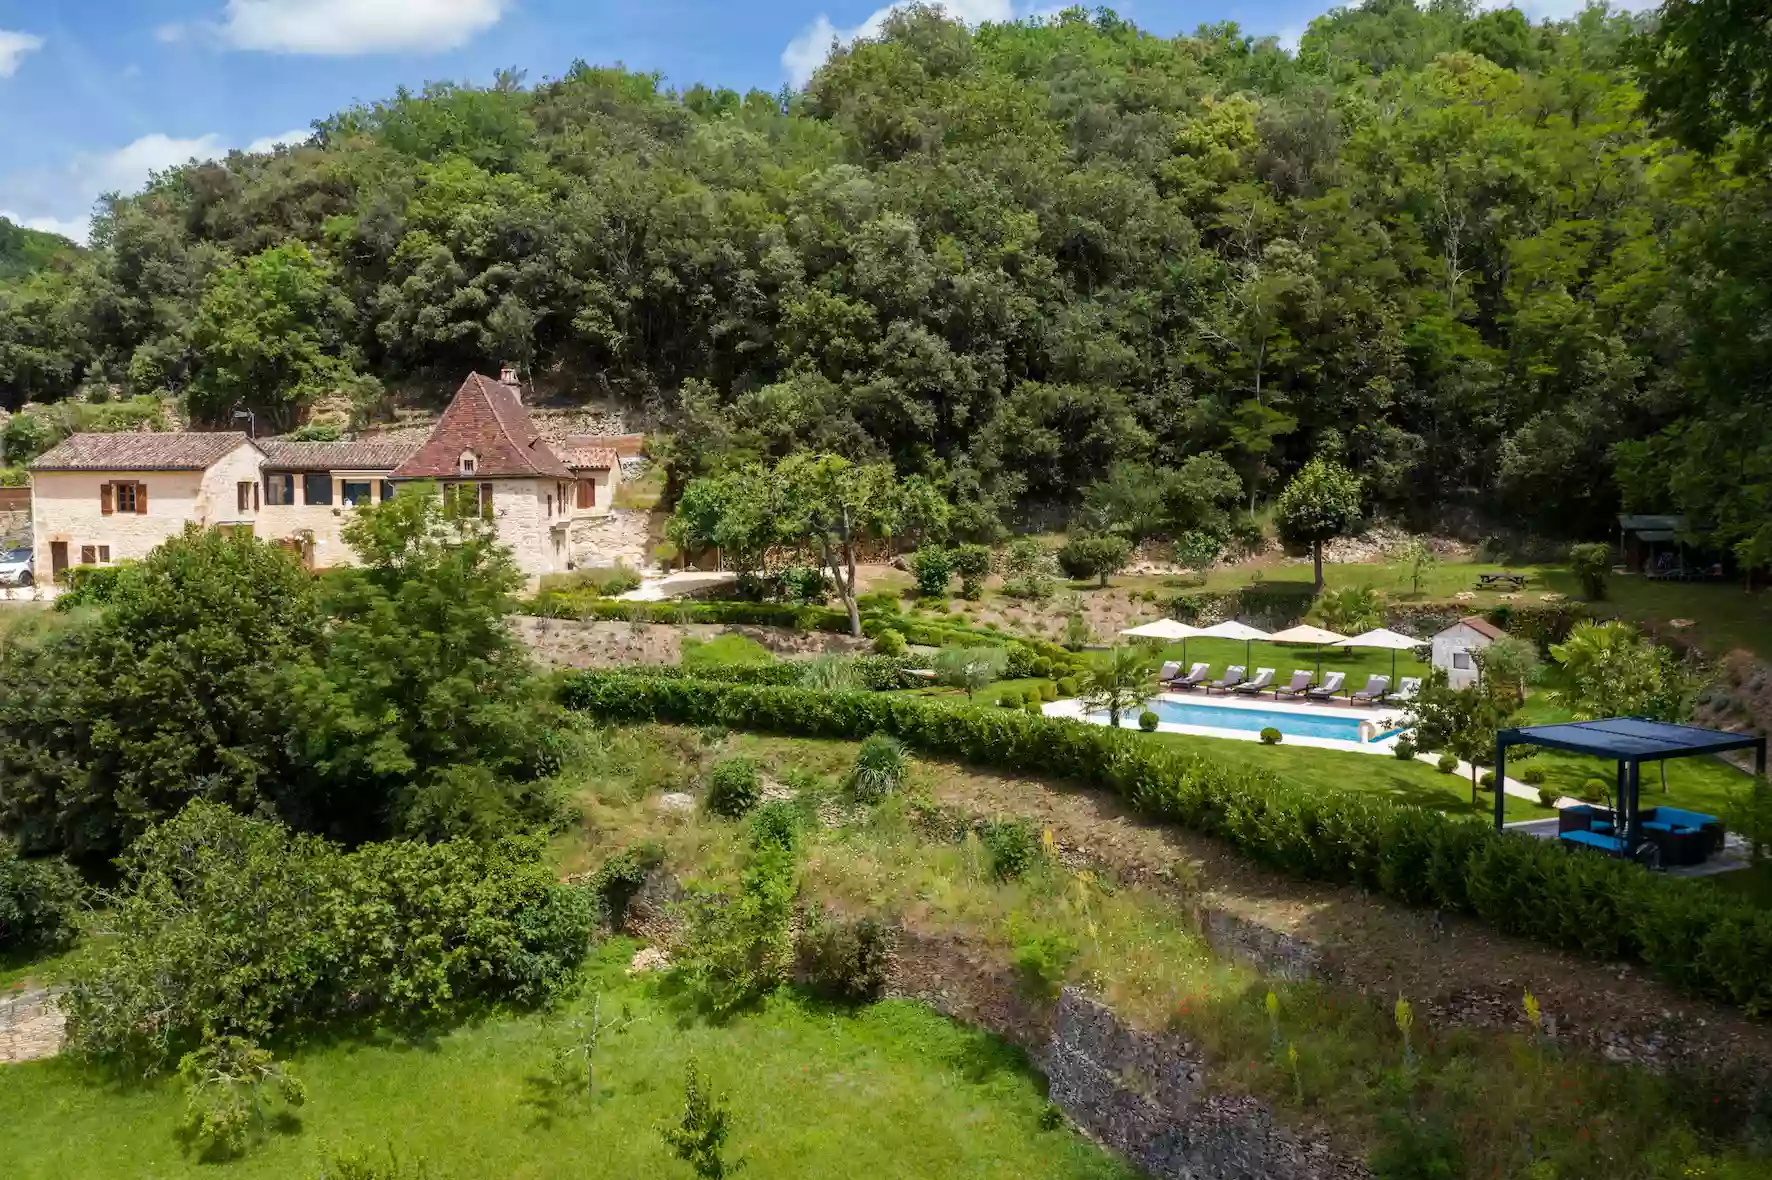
(269, 143)
(14, 47)
(805, 53)
(349, 27)
(49, 225)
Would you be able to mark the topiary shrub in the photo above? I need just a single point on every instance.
(1595, 790)
(734, 787)
(1404, 750)
(1033, 707)
(1008, 700)
(889, 642)
(1148, 721)
(1048, 691)
(1067, 686)
(1031, 694)
(1447, 764)
(1547, 797)
(880, 768)
(1042, 667)
(1270, 736)
(1533, 776)
(1013, 847)
(845, 960)
(1487, 780)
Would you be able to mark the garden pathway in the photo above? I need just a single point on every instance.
(31, 1025)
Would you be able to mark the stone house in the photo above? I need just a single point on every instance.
(1454, 648)
(101, 498)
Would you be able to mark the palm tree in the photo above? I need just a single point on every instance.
(1119, 684)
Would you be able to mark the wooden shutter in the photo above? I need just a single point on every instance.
(587, 493)
(255, 495)
(486, 501)
(104, 498)
(141, 499)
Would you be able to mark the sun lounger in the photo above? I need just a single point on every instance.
(1168, 672)
(1233, 676)
(1264, 680)
(1330, 686)
(1195, 677)
(1301, 680)
(1407, 687)
(1377, 688)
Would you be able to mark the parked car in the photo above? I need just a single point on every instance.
(15, 567)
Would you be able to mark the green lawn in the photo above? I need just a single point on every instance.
(891, 1090)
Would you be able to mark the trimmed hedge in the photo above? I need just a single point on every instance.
(878, 673)
(1692, 935)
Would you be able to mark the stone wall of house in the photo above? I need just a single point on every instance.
(619, 537)
(326, 522)
(1145, 1096)
(524, 523)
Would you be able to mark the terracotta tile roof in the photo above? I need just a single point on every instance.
(336, 456)
(488, 419)
(589, 458)
(1483, 626)
(626, 446)
(179, 450)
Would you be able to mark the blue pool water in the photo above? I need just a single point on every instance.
(1345, 729)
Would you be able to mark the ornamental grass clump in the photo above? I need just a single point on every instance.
(880, 768)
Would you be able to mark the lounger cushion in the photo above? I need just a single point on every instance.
(1591, 840)
(1656, 825)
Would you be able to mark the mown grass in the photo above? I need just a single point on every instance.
(890, 1090)
(1512, 1100)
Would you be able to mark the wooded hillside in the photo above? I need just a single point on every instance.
(1445, 245)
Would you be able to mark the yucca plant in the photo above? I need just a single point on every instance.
(880, 768)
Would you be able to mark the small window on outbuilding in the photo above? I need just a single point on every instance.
(280, 488)
(1461, 659)
(317, 487)
(357, 492)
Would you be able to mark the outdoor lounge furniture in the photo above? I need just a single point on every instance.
(1327, 690)
(1585, 818)
(1233, 676)
(1679, 832)
(1407, 688)
(1264, 680)
(1301, 680)
(1377, 688)
(1169, 671)
(1497, 581)
(1595, 840)
(1195, 677)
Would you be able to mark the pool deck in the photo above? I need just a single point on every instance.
(1378, 716)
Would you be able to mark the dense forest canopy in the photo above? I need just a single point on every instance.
(1447, 248)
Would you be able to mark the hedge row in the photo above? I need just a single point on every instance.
(1689, 933)
(878, 673)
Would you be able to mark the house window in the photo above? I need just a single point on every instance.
(280, 488)
(467, 498)
(387, 489)
(550, 505)
(89, 555)
(317, 487)
(129, 498)
(104, 554)
(358, 492)
(486, 501)
(1461, 659)
(246, 495)
(470, 463)
(587, 493)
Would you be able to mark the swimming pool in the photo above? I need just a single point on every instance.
(1344, 728)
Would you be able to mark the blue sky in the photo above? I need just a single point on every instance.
(96, 93)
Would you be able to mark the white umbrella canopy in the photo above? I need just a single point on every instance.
(1305, 633)
(1162, 629)
(1380, 637)
(1231, 629)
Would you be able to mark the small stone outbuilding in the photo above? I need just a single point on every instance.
(1455, 648)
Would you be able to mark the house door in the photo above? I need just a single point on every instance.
(58, 561)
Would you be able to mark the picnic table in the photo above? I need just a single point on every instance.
(1497, 581)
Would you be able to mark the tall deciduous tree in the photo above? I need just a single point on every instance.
(1461, 721)
(1321, 502)
(835, 503)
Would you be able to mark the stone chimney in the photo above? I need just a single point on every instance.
(507, 377)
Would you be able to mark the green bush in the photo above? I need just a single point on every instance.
(1148, 721)
(888, 642)
(1533, 776)
(1043, 958)
(1032, 707)
(1547, 797)
(1048, 691)
(230, 926)
(229, 1085)
(1008, 700)
(1591, 564)
(973, 564)
(880, 768)
(848, 960)
(736, 949)
(1446, 764)
(1595, 790)
(933, 567)
(1696, 938)
(617, 879)
(1041, 667)
(39, 901)
(1013, 847)
(1031, 694)
(1404, 750)
(610, 581)
(734, 787)
(1067, 686)
(1486, 780)
(778, 823)
(1270, 736)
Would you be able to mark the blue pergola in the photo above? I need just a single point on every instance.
(1630, 742)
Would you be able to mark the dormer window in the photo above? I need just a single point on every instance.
(470, 463)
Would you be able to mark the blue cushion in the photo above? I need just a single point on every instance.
(1690, 819)
(1592, 840)
(1604, 825)
(1685, 831)
(1657, 826)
